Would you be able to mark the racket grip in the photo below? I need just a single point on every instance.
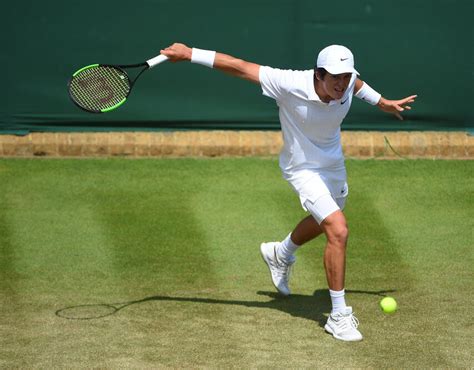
(156, 60)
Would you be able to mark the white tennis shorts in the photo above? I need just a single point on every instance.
(321, 192)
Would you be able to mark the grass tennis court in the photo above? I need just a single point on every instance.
(176, 242)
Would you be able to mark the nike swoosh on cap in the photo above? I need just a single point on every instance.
(343, 59)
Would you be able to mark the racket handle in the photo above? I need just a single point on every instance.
(156, 60)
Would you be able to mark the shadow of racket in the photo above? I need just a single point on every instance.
(308, 306)
(96, 311)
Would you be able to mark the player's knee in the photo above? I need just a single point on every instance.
(339, 234)
(336, 229)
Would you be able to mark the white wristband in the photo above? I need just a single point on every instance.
(204, 57)
(368, 94)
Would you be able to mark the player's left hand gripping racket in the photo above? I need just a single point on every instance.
(100, 88)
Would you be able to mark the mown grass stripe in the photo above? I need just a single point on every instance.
(180, 241)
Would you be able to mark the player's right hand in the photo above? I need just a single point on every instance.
(177, 52)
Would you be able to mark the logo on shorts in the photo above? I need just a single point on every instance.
(344, 189)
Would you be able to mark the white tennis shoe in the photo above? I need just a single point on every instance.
(279, 269)
(343, 326)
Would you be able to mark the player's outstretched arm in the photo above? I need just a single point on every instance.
(396, 106)
(223, 62)
(365, 92)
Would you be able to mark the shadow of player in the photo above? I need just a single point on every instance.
(315, 307)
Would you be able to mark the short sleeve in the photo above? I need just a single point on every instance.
(275, 82)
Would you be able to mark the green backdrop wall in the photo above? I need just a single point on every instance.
(401, 47)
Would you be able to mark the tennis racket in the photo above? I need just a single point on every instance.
(100, 88)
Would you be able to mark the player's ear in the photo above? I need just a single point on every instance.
(317, 74)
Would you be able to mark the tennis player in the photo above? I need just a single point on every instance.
(312, 105)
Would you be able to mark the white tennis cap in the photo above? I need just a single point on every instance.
(336, 59)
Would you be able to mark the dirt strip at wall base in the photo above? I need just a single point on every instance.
(356, 144)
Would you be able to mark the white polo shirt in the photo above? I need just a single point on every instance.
(311, 128)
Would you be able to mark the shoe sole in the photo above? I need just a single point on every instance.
(270, 270)
(330, 331)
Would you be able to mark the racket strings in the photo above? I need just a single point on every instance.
(100, 87)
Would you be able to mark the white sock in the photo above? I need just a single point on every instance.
(287, 248)
(338, 300)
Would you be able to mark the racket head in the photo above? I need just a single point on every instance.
(99, 88)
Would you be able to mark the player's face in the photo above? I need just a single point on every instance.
(336, 85)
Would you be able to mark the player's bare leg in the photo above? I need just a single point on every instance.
(337, 232)
(342, 323)
(306, 230)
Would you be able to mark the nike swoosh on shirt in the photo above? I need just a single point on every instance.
(342, 102)
(343, 59)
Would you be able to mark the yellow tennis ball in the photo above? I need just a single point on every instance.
(388, 305)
